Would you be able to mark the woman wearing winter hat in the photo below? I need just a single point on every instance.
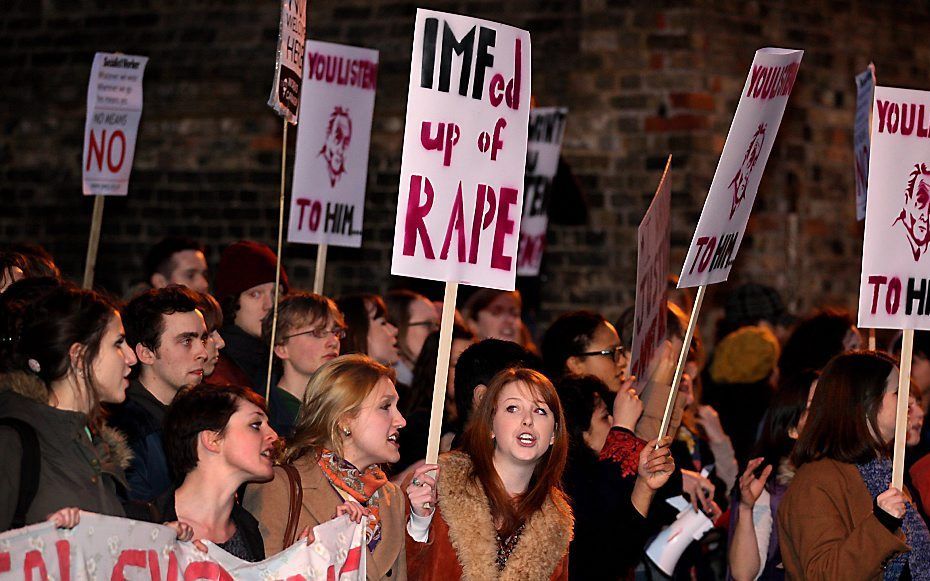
(244, 286)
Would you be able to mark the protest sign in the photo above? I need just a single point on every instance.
(894, 282)
(118, 548)
(723, 221)
(289, 61)
(464, 154)
(544, 142)
(114, 107)
(331, 163)
(865, 86)
(652, 242)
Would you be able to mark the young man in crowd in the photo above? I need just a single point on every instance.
(177, 260)
(244, 286)
(308, 334)
(168, 335)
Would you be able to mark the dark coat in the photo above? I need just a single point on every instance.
(141, 417)
(75, 469)
(244, 361)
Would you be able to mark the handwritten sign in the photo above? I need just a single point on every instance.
(547, 127)
(461, 178)
(105, 547)
(723, 221)
(289, 61)
(333, 137)
(865, 86)
(114, 108)
(894, 282)
(653, 239)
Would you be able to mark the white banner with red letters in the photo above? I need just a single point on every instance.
(105, 547)
(544, 143)
(464, 155)
(114, 108)
(653, 239)
(723, 221)
(333, 138)
(895, 266)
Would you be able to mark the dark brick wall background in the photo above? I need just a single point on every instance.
(642, 79)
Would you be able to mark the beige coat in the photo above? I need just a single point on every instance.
(827, 528)
(269, 504)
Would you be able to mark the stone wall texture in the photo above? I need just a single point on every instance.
(641, 79)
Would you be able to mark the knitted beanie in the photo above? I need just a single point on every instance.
(746, 355)
(244, 265)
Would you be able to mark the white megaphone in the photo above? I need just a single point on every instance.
(690, 525)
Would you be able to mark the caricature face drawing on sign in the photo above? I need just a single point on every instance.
(338, 136)
(741, 179)
(915, 215)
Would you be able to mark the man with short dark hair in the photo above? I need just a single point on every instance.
(168, 335)
(177, 260)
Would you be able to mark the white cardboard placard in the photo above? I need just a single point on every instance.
(720, 230)
(461, 179)
(651, 310)
(289, 60)
(333, 138)
(114, 108)
(547, 127)
(895, 267)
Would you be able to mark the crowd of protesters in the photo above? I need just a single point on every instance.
(552, 463)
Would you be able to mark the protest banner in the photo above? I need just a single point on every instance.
(333, 137)
(464, 155)
(285, 100)
(544, 143)
(720, 229)
(289, 61)
(117, 548)
(865, 87)
(653, 239)
(114, 108)
(894, 283)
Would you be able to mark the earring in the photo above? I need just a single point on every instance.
(346, 432)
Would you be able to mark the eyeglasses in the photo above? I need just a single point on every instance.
(337, 332)
(615, 353)
(431, 325)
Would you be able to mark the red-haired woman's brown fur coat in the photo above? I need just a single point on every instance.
(462, 543)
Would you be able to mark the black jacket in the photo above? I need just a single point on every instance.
(141, 417)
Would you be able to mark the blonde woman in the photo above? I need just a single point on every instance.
(347, 427)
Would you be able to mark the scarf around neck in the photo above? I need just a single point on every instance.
(877, 477)
(362, 486)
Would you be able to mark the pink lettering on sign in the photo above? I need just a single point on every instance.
(339, 70)
(101, 149)
(768, 82)
(903, 118)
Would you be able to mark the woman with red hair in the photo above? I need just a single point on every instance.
(501, 513)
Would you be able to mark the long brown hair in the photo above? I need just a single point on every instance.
(842, 423)
(479, 445)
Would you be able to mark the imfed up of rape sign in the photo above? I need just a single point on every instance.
(464, 155)
(895, 267)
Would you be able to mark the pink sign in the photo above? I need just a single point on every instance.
(461, 177)
(653, 240)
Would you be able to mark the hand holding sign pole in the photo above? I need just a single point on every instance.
(723, 221)
(114, 108)
(285, 100)
(461, 179)
(893, 285)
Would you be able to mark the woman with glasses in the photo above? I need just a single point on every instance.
(309, 331)
(585, 343)
(415, 318)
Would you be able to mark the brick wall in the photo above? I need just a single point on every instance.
(642, 80)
